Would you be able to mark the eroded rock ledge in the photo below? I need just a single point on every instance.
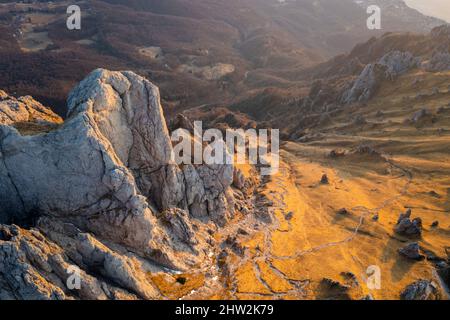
(101, 193)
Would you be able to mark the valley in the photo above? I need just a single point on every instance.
(324, 234)
(358, 210)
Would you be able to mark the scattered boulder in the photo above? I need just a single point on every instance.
(435, 224)
(350, 278)
(421, 290)
(432, 256)
(443, 269)
(334, 284)
(222, 261)
(407, 227)
(153, 53)
(289, 215)
(332, 289)
(324, 179)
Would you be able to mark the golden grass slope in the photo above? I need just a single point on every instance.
(311, 241)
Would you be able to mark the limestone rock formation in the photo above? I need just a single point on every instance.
(101, 190)
(364, 86)
(411, 251)
(116, 141)
(421, 290)
(34, 267)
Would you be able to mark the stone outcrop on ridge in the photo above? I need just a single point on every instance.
(101, 191)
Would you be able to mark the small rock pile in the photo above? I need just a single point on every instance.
(407, 227)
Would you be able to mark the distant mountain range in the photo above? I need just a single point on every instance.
(197, 51)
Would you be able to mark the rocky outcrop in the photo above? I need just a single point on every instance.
(364, 86)
(439, 61)
(407, 227)
(390, 66)
(396, 63)
(33, 267)
(98, 187)
(411, 251)
(421, 290)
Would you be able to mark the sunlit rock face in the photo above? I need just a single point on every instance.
(127, 111)
(100, 192)
(108, 169)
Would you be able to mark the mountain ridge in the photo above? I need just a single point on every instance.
(252, 38)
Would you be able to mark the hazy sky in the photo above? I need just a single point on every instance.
(437, 8)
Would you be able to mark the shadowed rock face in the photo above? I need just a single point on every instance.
(21, 112)
(108, 170)
(24, 109)
(103, 193)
